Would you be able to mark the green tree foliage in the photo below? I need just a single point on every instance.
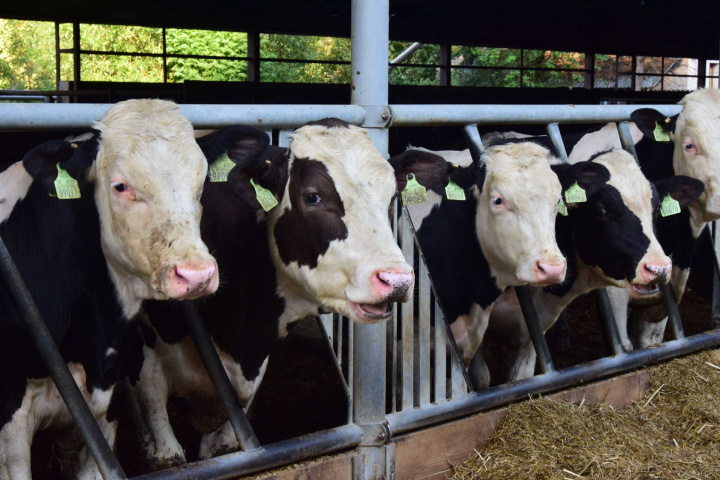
(408, 75)
(27, 55)
(304, 48)
(210, 43)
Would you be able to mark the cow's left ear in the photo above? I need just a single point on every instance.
(681, 188)
(431, 171)
(75, 158)
(647, 120)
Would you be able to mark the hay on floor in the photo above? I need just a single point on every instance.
(672, 433)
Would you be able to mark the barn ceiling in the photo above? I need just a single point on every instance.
(688, 28)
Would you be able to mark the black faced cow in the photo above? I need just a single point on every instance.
(133, 234)
(327, 246)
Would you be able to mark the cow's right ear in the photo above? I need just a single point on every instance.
(238, 141)
(681, 188)
(590, 176)
(41, 162)
(431, 171)
(269, 170)
(647, 120)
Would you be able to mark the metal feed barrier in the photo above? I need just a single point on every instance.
(401, 375)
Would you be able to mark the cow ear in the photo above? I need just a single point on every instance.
(590, 176)
(75, 158)
(431, 171)
(269, 170)
(647, 120)
(238, 141)
(681, 188)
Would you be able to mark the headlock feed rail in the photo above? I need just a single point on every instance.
(402, 375)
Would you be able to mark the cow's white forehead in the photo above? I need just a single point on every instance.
(348, 153)
(700, 105)
(628, 179)
(524, 169)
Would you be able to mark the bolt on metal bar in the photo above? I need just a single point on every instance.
(56, 366)
(672, 310)
(536, 332)
(240, 424)
(609, 327)
(553, 131)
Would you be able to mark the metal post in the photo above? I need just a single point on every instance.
(553, 131)
(626, 139)
(228, 397)
(609, 327)
(536, 333)
(370, 25)
(56, 366)
(715, 312)
(672, 311)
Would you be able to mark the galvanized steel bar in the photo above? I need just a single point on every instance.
(609, 327)
(626, 139)
(440, 383)
(475, 402)
(337, 356)
(553, 131)
(424, 339)
(237, 464)
(52, 116)
(57, 368)
(404, 55)
(672, 310)
(474, 142)
(427, 115)
(228, 397)
(407, 317)
(536, 332)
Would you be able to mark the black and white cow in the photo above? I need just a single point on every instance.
(327, 247)
(609, 240)
(502, 235)
(89, 262)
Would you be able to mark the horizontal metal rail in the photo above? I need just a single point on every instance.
(23, 117)
(264, 458)
(482, 400)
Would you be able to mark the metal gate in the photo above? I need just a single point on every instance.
(383, 366)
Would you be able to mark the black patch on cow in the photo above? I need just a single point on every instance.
(330, 123)
(304, 233)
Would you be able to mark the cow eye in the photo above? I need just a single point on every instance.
(600, 210)
(497, 201)
(689, 147)
(119, 187)
(313, 199)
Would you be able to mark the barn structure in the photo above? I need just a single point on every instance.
(625, 54)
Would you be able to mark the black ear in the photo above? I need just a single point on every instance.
(590, 176)
(647, 118)
(76, 159)
(431, 171)
(681, 188)
(240, 143)
(269, 169)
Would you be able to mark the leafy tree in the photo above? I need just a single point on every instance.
(408, 75)
(298, 47)
(27, 55)
(211, 43)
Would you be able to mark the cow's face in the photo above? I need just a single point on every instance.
(330, 236)
(516, 208)
(613, 230)
(695, 133)
(149, 176)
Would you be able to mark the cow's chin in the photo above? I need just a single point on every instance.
(370, 313)
(640, 291)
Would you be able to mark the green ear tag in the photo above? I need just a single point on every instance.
(659, 134)
(219, 169)
(453, 191)
(414, 192)
(66, 187)
(575, 194)
(266, 199)
(669, 206)
(562, 208)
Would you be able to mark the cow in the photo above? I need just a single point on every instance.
(95, 228)
(327, 246)
(609, 240)
(502, 235)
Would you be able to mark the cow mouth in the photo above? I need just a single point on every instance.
(643, 290)
(372, 312)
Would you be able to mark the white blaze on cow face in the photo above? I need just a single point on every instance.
(331, 236)
(149, 175)
(697, 149)
(516, 216)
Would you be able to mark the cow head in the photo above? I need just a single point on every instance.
(147, 173)
(613, 230)
(696, 136)
(330, 235)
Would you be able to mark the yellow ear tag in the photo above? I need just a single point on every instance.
(414, 192)
(266, 199)
(219, 169)
(453, 191)
(669, 206)
(66, 187)
(562, 208)
(659, 134)
(575, 194)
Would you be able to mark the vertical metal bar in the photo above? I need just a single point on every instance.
(536, 333)
(672, 311)
(589, 77)
(440, 392)
(626, 139)
(553, 131)
(609, 327)
(327, 321)
(164, 46)
(253, 54)
(394, 371)
(57, 55)
(445, 65)
(715, 312)
(369, 32)
(284, 138)
(337, 357)
(228, 397)
(408, 316)
(350, 367)
(474, 142)
(56, 366)
(76, 56)
(424, 306)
